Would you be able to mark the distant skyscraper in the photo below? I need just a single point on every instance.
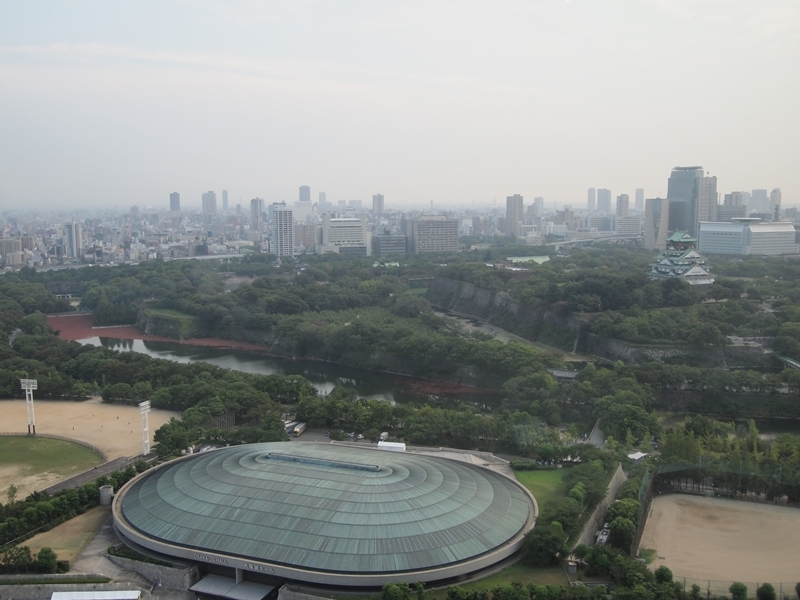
(538, 202)
(604, 201)
(73, 240)
(323, 198)
(282, 230)
(210, 203)
(134, 213)
(174, 201)
(760, 201)
(224, 200)
(591, 200)
(681, 193)
(639, 203)
(623, 205)
(734, 199)
(775, 204)
(305, 193)
(257, 214)
(705, 204)
(514, 210)
(656, 221)
(377, 204)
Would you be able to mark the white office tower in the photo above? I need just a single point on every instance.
(639, 200)
(73, 240)
(345, 235)
(282, 230)
(224, 200)
(623, 205)
(591, 200)
(210, 203)
(257, 214)
(538, 203)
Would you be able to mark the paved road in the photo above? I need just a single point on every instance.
(87, 476)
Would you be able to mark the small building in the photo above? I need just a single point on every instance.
(681, 260)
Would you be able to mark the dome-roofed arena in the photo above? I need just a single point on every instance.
(327, 514)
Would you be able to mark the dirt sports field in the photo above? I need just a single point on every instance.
(116, 430)
(718, 539)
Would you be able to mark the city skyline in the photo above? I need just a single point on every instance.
(106, 108)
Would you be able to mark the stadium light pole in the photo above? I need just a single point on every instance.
(144, 408)
(29, 385)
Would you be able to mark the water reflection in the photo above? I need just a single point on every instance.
(323, 376)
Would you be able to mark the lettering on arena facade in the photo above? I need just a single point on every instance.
(256, 567)
(211, 559)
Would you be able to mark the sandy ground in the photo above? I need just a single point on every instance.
(116, 430)
(70, 538)
(717, 539)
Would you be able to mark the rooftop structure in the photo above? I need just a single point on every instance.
(327, 514)
(680, 260)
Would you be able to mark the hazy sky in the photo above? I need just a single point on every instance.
(116, 103)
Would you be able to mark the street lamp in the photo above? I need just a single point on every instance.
(29, 385)
(144, 408)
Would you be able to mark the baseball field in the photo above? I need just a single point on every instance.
(33, 464)
(718, 539)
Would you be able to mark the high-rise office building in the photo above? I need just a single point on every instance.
(257, 214)
(323, 199)
(345, 235)
(174, 201)
(591, 200)
(73, 240)
(639, 201)
(134, 213)
(681, 193)
(282, 230)
(377, 204)
(514, 211)
(224, 200)
(604, 201)
(433, 233)
(734, 199)
(305, 193)
(623, 205)
(704, 207)
(775, 204)
(759, 201)
(656, 223)
(210, 203)
(538, 203)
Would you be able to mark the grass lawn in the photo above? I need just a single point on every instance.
(70, 538)
(38, 454)
(24, 461)
(544, 485)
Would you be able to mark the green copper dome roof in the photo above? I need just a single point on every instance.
(328, 508)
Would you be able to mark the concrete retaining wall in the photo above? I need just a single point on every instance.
(175, 578)
(596, 520)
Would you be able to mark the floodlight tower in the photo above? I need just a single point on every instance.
(144, 408)
(29, 385)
